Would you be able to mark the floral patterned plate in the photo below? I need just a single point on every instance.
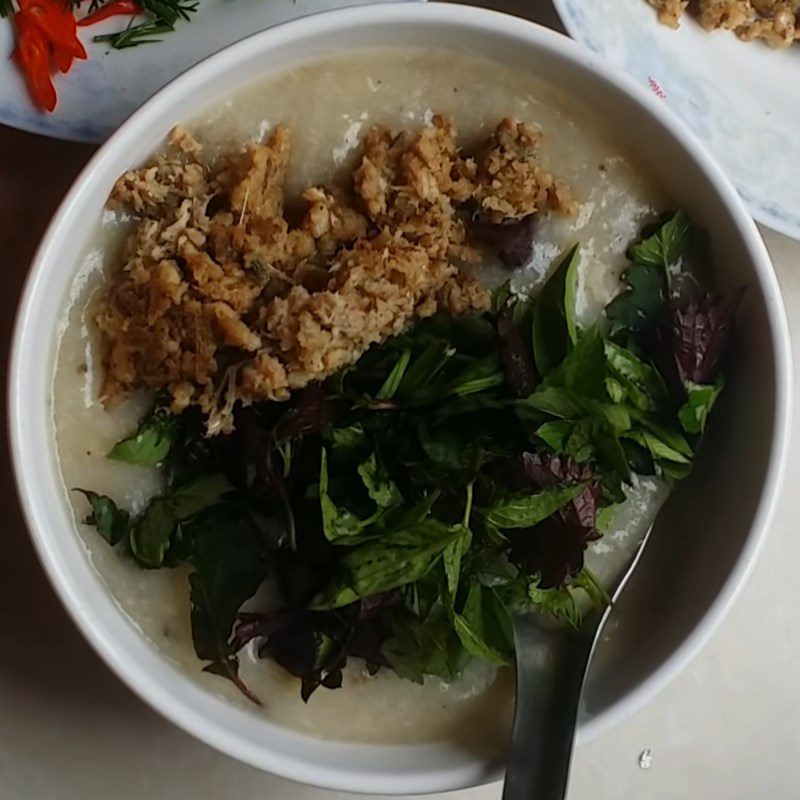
(741, 99)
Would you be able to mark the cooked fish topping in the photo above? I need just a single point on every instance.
(221, 297)
(777, 22)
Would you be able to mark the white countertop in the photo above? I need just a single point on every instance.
(725, 729)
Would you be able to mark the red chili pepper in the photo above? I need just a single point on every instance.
(56, 21)
(33, 57)
(62, 59)
(115, 8)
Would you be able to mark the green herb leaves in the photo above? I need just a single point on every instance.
(417, 647)
(151, 443)
(163, 15)
(641, 307)
(337, 522)
(228, 566)
(453, 475)
(484, 626)
(525, 510)
(153, 531)
(396, 559)
(380, 487)
(666, 246)
(111, 522)
(700, 400)
(554, 325)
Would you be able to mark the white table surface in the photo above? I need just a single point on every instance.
(727, 728)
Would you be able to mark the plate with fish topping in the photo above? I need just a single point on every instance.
(729, 68)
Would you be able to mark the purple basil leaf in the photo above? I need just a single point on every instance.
(366, 641)
(545, 471)
(582, 511)
(511, 239)
(261, 464)
(251, 626)
(700, 334)
(517, 360)
(554, 549)
(551, 549)
(311, 411)
(294, 647)
(310, 684)
(373, 605)
(333, 680)
(229, 668)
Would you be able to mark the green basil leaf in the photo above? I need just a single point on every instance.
(641, 305)
(568, 404)
(559, 603)
(424, 368)
(449, 447)
(500, 296)
(453, 555)
(525, 510)
(347, 441)
(639, 383)
(581, 443)
(112, 523)
(228, 567)
(671, 437)
(556, 434)
(337, 523)
(583, 369)
(596, 592)
(393, 379)
(380, 487)
(422, 596)
(151, 443)
(480, 375)
(588, 438)
(666, 246)
(608, 447)
(571, 295)
(554, 325)
(484, 627)
(417, 647)
(605, 517)
(674, 472)
(660, 450)
(199, 494)
(406, 516)
(700, 399)
(153, 531)
(470, 334)
(387, 563)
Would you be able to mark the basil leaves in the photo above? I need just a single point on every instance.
(400, 512)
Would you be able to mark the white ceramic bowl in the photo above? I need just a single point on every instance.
(707, 537)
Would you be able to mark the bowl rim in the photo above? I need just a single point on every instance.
(25, 461)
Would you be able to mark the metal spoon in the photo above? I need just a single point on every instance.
(551, 667)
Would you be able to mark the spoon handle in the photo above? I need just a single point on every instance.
(551, 667)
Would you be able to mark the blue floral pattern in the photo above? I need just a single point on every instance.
(727, 92)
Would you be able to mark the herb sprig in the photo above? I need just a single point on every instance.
(163, 15)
